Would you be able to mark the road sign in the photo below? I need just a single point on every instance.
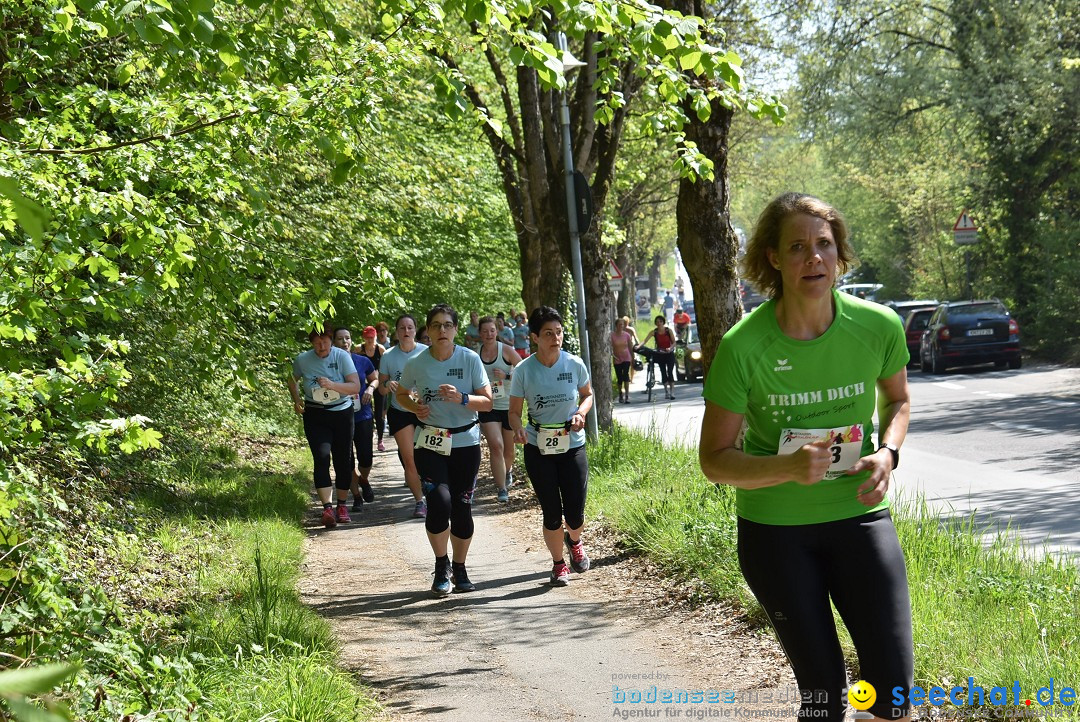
(615, 283)
(964, 231)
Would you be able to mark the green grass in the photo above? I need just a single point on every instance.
(991, 612)
(259, 653)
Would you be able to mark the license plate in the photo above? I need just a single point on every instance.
(981, 332)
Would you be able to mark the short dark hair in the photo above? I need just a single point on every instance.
(483, 320)
(542, 315)
(402, 317)
(342, 328)
(381, 326)
(442, 308)
(327, 330)
(660, 318)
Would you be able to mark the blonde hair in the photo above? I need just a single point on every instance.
(756, 267)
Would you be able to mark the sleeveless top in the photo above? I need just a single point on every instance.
(500, 398)
(664, 342)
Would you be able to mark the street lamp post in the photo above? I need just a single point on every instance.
(569, 62)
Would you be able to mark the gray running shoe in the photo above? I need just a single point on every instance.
(579, 560)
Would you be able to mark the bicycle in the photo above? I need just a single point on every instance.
(650, 375)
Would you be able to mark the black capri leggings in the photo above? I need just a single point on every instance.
(794, 570)
(329, 434)
(666, 362)
(561, 482)
(448, 483)
(362, 445)
(622, 372)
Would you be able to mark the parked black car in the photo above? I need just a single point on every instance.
(903, 308)
(688, 361)
(963, 333)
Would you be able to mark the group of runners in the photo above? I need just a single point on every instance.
(789, 405)
(440, 398)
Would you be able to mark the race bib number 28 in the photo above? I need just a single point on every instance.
(553, 441)
(845, 444)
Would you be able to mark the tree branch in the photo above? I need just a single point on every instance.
(124, 144)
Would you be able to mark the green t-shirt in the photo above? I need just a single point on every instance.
(791, 393)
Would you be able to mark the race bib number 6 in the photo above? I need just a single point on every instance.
(434, 439)
(324, 396)
(845, 444)
(553, 441)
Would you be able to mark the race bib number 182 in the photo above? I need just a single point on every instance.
(845, 445)
(434, 439)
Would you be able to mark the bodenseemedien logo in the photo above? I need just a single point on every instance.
(973, 694)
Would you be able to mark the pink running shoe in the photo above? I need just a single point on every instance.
(343, 515)
(382, 446)
(579, 560)
(328, 519)
(560, 575)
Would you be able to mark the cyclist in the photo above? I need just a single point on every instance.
(665, 354)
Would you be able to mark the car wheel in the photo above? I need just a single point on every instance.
(1015, 363)
(937, 364)
(999, 364)
(923, 365)
(679, 374)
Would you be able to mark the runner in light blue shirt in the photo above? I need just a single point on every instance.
(556, 385)
(402, 422)
(451, 387)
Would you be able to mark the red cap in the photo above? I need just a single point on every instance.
(369, 332)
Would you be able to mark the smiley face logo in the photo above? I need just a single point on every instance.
(861, 695)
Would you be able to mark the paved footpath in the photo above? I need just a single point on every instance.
(515, 649)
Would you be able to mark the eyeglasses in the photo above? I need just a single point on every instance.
(436, 326)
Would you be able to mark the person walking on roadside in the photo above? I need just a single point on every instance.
(814, 527)
(556, 386)
(669, 307)
(665, 354)
(521, 336)
(623, 359)
(401, 421)
(363, 419)
(322, 380)
(373, 351)
(451, 387)
(634, 343)
(499, 361)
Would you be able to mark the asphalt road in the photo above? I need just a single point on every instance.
(1001, 445)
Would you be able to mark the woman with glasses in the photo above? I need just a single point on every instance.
(401, 421)
(451, 387)
(499, 360)
(556, 385)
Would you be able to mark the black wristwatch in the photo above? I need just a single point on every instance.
(895, 452)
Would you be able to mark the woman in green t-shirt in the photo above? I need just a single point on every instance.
(788, 421)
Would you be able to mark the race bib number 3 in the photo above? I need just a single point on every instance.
(434, 439)
(845, 444)
(553, 441)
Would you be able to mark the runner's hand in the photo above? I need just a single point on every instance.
(520, 436)
(577, 422)
(298, 407)
(812, 461)
(873, 490)
(324, 382)
(449, 392)
(422, 411)
(365, 399)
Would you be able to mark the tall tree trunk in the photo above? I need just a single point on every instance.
(707, 241)
(624, 305)
(654, 279)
